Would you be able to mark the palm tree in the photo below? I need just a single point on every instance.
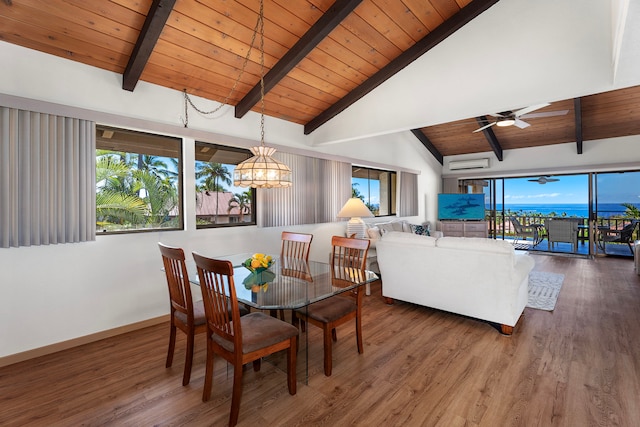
(242, 201)
(631, 211)
(113, 205)
(161, 197)
(158, 167)
(212, 172)
(355, 192)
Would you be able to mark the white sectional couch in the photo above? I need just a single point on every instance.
(481, 278)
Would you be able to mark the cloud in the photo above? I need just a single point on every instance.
(543, 195)
(532, 196)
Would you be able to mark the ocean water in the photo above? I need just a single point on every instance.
(605, 210)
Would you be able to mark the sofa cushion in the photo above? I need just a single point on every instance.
(385, 227)
(476, 244)
(409, 238)
(374, 233)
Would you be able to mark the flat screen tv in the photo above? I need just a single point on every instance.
(468, 207)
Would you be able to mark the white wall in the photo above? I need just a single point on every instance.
(56, 293)
(597, 156)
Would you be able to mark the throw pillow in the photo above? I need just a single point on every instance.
(385, 227)
(420, 229)
(374, 233)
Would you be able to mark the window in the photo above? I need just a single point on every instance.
(218, 202)
(137, 181)
(376, 188)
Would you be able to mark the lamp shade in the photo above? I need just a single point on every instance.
(262, 171)
(354, 208)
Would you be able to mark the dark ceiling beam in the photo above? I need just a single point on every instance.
(428, 42)
(428, 144)
(321, 29)
(153, 25)
(577, 108)
(491, 136)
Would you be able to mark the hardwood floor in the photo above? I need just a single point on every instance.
(576, 366)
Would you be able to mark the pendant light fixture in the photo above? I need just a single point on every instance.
(261, 170)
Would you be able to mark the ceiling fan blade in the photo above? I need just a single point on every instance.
(545, 114)
(521, 124)
(526, 110)
(484, 127)
(497, 115)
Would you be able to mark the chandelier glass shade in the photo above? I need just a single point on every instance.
(262, 170)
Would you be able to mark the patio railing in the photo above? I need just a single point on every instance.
(612, 223)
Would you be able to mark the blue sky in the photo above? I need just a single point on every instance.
(612, 188)
(374, 197)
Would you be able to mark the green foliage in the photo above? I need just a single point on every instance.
(355, 192)
(631, 211)
(242, 201)
(133, 191)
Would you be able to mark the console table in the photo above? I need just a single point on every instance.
(465, 228)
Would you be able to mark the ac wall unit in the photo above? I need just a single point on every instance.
(469, 164)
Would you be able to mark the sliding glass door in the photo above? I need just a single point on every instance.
(616, 212)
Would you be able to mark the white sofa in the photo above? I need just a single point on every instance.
(480, 278)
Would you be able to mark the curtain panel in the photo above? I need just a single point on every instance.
(320, 188)
(47, 179)
(408, 200)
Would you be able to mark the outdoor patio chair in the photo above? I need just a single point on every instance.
(524, 231)
(624, 235)
(562, 231)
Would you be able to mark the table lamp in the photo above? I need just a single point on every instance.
(355, 209)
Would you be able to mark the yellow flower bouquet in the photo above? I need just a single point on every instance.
(260, 277)
(258, 263)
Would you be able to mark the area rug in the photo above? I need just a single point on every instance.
(544, 289)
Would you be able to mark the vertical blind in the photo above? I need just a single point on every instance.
(320, 188)
(408, 201)
(47, 179)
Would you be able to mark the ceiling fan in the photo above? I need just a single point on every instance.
(513, 118)
(544, 179)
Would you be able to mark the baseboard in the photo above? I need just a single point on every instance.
(64, 345)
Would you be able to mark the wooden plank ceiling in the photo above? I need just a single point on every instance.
(320, 56)
(600, 116)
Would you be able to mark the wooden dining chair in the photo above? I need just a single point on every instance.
(239, 340)
(186, 315)
(295, 245)
(294, 255)
(348, 261)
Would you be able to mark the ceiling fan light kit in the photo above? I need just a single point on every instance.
(510, 118)
(506, 122)
(544, 179)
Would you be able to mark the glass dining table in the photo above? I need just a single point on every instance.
(289, 284)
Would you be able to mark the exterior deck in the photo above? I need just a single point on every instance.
(602, 249)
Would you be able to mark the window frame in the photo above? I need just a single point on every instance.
(143, 143)
(241, 154)
(392, 190)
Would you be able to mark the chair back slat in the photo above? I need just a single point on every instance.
(219, 297)
(295, 245)
(177, 279)
(348, 259)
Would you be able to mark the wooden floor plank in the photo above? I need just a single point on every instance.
(577, 365)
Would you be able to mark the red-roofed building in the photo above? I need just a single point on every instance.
(213, 207)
